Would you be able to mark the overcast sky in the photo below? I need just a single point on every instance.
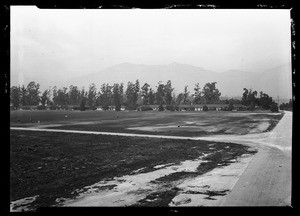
(63, 43)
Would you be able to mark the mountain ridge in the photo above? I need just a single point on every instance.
(275, 81)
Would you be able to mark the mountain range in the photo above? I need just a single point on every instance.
(276, 82)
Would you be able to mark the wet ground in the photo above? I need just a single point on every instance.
(72, 169)
(192, 124)
(47, 168)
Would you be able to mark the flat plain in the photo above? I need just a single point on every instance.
(50, 168)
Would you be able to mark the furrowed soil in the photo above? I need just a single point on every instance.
(50, 166)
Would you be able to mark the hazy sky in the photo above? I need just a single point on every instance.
(58, 44)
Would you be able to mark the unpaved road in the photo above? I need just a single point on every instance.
(265, 180)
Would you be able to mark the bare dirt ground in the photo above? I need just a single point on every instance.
(267, 179)
(260, 180)
(264, 180)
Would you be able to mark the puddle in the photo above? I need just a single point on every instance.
(129, 189)
(211, 188)
(22, 204)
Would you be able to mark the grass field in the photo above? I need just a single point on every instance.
(50, 165)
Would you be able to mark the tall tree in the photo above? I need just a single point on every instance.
(210, 93)
(197, 95)
(121, 89)
(151, 97)
(54, 95)
(62, 96)
(45, 98)
(106, 96)
(136, 91)
(98, 100)
(91, 97)
(245, 97)
(15, 96)
(83, 98)
(179, 98)
(132, 94)
(173, 99)
(160, 94)
(249, 97)
(145, 93)
(74, 95)
(186, 95)
(265, 100)
(168, 92)
(33, 93)
(252, 96)
(83, 95)
(24, 96)
(117, 97)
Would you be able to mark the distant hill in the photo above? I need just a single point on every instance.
(275, 81)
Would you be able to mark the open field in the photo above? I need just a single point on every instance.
(161, 123)
(73, 169)
(52, 166)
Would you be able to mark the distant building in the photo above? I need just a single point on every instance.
(199, 107)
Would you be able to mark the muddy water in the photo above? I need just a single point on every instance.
(129, 189)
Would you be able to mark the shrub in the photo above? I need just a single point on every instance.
(145, 108)
(274, 107)
(82, 105)
(53, 107)
(205, 108)
(161, 107)
(129, 107)
(170, 107)
(64, 107)
(230, 107)
(252, 106)
(41, 107)
(117, 108)
(26, 107)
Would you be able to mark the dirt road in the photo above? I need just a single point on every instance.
(267, 179)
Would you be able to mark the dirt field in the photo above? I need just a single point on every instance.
(47, 168)
(160, 123)
(72, 169)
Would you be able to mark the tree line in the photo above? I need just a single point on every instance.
(287, 106)
(133, 96)
(264, 101)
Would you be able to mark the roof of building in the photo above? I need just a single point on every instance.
(201, 105)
